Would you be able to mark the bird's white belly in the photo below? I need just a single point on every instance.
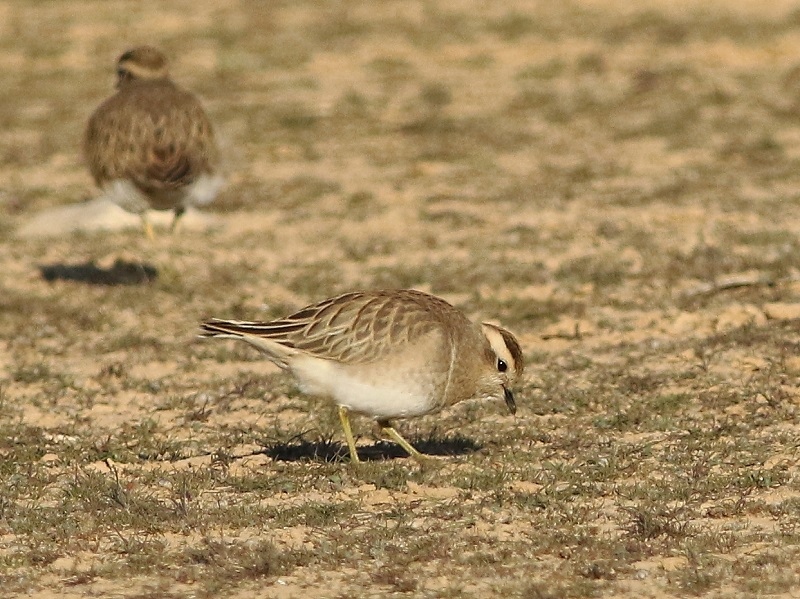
(391, 397)
(126, 195)
(204, 190)
(129, 197)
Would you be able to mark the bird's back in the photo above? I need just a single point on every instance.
(362, 326)
(153, 134)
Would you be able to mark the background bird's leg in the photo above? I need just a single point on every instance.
(147, 226)
(348, 434)
(178, 214)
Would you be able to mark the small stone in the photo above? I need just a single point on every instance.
(739, 315)
(782, 311)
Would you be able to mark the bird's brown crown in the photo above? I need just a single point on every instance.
(141, 63)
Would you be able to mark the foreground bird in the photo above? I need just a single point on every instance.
(151, 144)
(386, 354)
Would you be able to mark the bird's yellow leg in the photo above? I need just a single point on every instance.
(390, 431)
(148, 227)
(348, 434)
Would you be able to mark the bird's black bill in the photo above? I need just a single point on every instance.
(512, 405)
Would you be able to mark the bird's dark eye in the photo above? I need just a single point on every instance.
(501, 365)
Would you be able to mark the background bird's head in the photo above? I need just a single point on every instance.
(143, 63)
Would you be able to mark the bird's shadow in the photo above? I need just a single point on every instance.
(331, 451)
(121, 272)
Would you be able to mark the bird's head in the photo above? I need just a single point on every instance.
(143, 63)
(504, 362)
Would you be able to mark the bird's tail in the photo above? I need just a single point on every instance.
(255, 333)
(226, 328)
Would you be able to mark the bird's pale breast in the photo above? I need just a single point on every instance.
(408, 382)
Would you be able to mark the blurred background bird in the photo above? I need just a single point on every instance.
(151, 145)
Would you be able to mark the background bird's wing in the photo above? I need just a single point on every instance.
(157, 136)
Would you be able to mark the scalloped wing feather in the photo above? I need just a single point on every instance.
(155, 135)
(352, 328)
